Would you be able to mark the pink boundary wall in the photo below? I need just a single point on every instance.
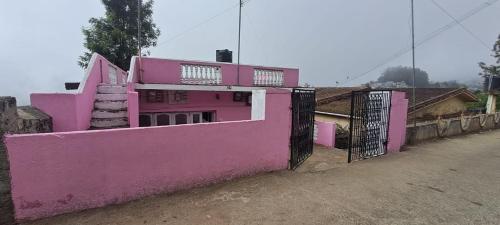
(397, 124)
(325, 133)
(73, 110)
(167, 71)
(56, 173)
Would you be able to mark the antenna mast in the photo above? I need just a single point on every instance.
(413, 62)
(239, 40)
(139, 52)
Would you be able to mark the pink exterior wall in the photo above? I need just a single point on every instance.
(73, 110)
(325, 133)
(56, 173)
(224, 107)
(397, 124)
(166, 71)
(61, 107)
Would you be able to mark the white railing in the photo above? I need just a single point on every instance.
(262, 77)
(200, 74)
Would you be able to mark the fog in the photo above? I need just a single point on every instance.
(328, 40)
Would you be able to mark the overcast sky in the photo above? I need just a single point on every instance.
(328, 40)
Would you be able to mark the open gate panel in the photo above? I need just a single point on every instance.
(369, 124)
(302, 135)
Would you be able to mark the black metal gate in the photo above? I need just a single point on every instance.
(369, 124)
(301, 139)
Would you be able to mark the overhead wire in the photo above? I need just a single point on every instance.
(460, 24)
(196, 26)
(428, 37)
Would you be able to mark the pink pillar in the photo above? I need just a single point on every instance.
(325, 133)
(133, 108)
(397, 123)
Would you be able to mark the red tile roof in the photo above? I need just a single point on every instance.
(338, 99)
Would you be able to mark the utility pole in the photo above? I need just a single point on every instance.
(413, 63)
(239, 40)
(492, 99)
(139, 52)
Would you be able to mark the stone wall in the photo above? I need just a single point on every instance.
(452, 127)
(8, 123)
(6, 207)
(15, 120)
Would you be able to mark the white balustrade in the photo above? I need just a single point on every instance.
(200, 74)
(263, 77)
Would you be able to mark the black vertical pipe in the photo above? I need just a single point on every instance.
(351, 128)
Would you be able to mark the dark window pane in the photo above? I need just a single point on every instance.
(207, 117)
(144, 120)
(196, 118)
(162, 120)
(181, 119)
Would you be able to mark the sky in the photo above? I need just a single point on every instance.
(330, 41)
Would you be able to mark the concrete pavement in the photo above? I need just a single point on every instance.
(451, 181)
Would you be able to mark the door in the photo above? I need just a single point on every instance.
(302, 135)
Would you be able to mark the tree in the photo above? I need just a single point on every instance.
(405, 74)
(114, 36)
(447, 84)
(492, 70)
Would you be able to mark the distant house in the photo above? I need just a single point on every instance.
(388, 84)
(438, 102)
(333, 104)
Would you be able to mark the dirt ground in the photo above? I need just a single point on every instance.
(451, 181)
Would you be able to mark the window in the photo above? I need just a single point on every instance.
(165, 119)
(196, 117)
(155, 96)
(177, 97)
(181, 118)
(145, 120)
(207, 117)
(162, 119)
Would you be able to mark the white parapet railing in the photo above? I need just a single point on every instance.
(265, 77)
(201, 74)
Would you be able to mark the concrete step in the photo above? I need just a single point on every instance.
(111, 89)
(108, 123)
(108, 114)
(107, 128)
(111, 97)
(110, 105)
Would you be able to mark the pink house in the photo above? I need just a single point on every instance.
(162, 92)
(164, 125)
